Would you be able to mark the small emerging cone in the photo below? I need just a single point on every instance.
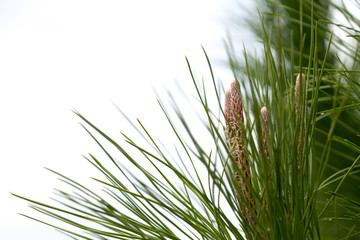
(299, 94)
(265, 132)
(265, 129)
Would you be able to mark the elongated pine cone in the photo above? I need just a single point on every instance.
(235, 120)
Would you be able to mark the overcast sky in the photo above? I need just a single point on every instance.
(56, 56)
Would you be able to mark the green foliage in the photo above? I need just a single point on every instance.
(294, 20)
(296, 190)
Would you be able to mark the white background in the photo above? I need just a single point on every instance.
(56, 56)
